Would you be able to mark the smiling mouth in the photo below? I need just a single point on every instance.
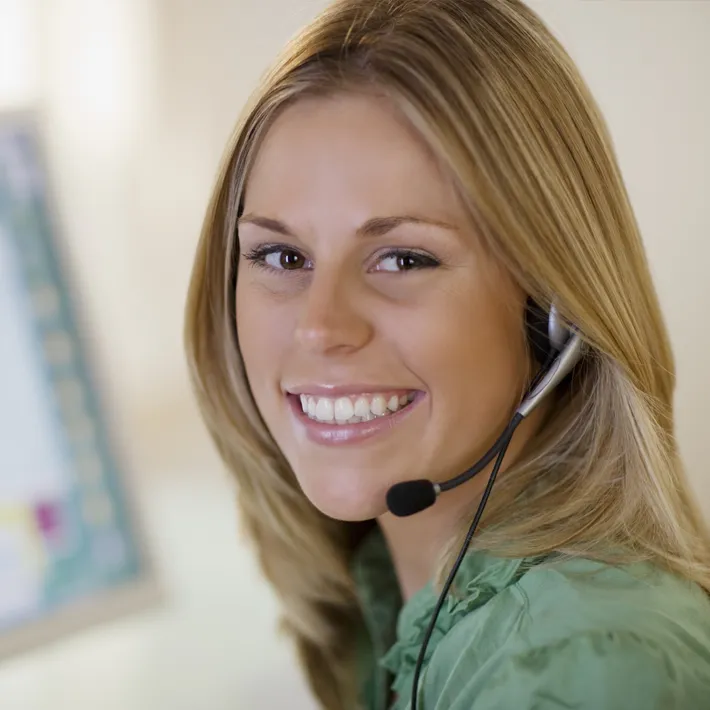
(354, 409)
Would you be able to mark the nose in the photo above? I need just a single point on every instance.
(332, 320)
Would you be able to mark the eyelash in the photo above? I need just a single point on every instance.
(257, 257)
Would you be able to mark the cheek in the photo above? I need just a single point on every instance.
(472, 355)
(260, 330)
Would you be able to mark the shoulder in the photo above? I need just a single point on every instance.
(579, 634)
(638, 597)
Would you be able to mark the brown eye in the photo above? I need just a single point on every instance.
(278, 258)
(284, 259)
(290, 260)
(400, 260)
(406, 261)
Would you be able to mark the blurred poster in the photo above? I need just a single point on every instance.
(65, 531)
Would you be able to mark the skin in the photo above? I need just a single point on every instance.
(348, 311)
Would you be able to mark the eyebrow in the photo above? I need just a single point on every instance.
(375, 227)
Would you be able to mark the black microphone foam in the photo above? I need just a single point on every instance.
(410, 497)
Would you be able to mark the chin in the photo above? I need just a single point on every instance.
(346, 500)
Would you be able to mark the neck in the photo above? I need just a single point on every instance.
(415, 543)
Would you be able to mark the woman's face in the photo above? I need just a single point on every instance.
(365, 296)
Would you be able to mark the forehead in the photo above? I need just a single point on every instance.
(349, 148)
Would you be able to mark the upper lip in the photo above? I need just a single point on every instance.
(332, 390)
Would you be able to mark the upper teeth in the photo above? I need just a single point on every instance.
(344, 410)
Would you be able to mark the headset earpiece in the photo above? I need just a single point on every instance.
(547, 334)
(555, 346)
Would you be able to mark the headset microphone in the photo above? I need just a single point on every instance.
(410, 497)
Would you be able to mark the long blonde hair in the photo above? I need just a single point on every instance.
(499, 100)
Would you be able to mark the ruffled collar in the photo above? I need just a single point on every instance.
(401, 628)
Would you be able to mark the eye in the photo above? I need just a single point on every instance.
(277, 257)
(285, 259)
(405, 260)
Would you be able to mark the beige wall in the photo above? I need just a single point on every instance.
(140, 95)
(648, 63)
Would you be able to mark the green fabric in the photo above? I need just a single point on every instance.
(535, 634)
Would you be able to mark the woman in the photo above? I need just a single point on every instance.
(417, 187)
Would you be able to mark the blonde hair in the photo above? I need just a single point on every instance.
(500, 101)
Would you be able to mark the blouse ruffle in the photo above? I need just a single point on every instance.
(487, 577)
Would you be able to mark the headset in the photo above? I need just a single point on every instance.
(557, 347)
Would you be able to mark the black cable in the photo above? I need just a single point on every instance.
(480, 464)
(505, 442)
(542, 371)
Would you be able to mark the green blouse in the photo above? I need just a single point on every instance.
(534, 634)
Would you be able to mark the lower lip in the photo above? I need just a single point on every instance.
(344, 434)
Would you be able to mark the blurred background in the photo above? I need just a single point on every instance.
(134, 100)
